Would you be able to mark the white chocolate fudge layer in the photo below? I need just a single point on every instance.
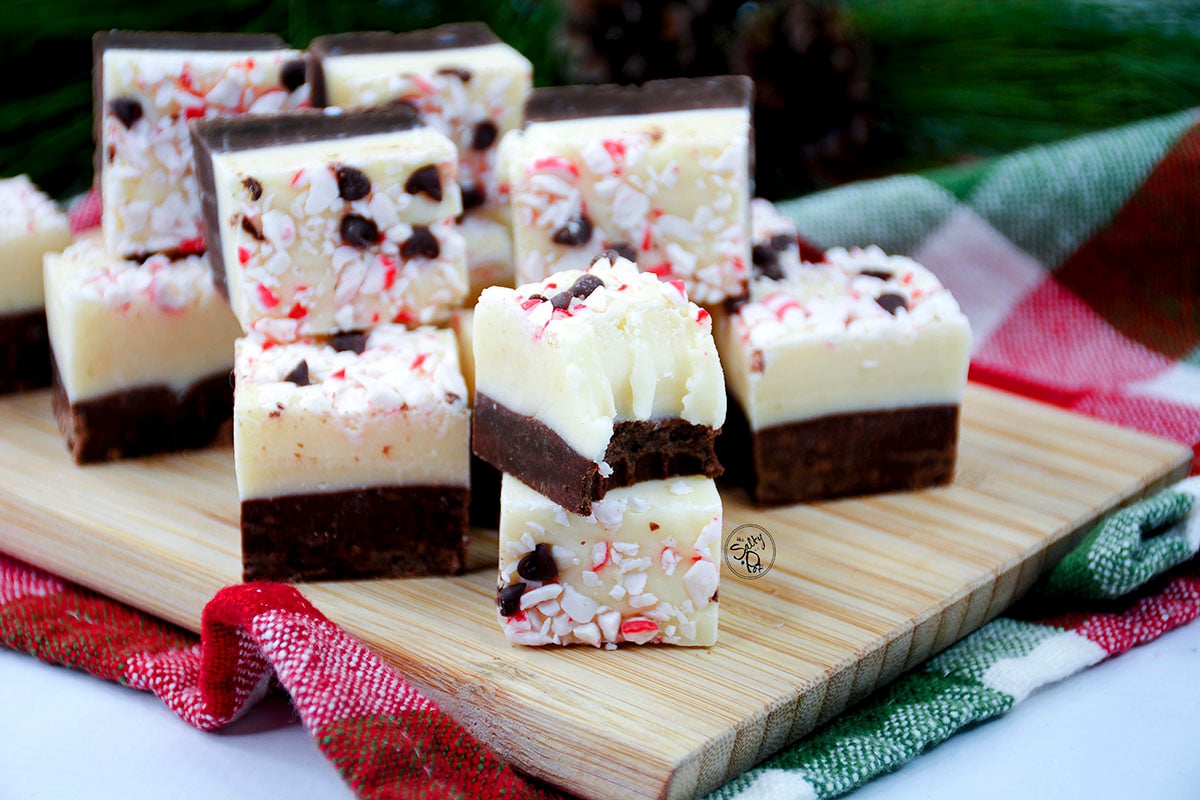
(489, 254)
(471, 93)
(148, 90)
(863, 331)
(581, 351)
(669, 189)
(340, 234)
(31, 225)
(117, 325)
(389, 408)
(644, 567)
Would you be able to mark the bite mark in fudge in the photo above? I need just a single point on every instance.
(322, 223)
(365, 459)
(147, 87)
(611, 374)
(461, 79)
(31, 225)
(142, 351)
(848, 375)
(661, 170)
(644, 567)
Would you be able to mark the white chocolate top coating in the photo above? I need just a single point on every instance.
(31, 224)
(633, 349)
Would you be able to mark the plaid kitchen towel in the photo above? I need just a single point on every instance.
(1079, 267)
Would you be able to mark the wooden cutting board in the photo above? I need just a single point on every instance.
(860, 591)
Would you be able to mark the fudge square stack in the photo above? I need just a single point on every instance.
(465, 83)
(599, 395)
(142, 343)
(846, 374)
(659, 173)
(331, 233)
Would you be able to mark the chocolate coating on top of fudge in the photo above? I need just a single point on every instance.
(227, 134)
(443, 37)
(676, 94)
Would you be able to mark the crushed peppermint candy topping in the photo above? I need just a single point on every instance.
(169, 286)
(150, 193)
(388, 370)
(26, 210)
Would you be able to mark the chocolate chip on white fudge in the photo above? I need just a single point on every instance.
(148, 86)
(327, 222)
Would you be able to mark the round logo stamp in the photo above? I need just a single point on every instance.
(749, 551)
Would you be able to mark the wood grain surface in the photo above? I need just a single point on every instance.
(860, 590)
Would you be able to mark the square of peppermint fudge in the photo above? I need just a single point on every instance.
(148, 86)
(461, 79)
(326, 222)
(846, 378)
(31, 225)
(660, 173)
(643, 567)
(141, 352)
(351, 454)
(587, 381)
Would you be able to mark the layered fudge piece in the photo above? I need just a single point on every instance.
(588, 381)
(352, 455)
(327, 222)
(847, 377)
(461, 79)
(148, 86)
(31, 225)
(658, 173)
(142, 352)
(643, 567)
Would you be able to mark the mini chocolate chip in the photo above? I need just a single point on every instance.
(584, 285)
(293, 74)
(541, 298)
(253, 187)
(461, 73)
(734, 304)
(299, 374)
(766, 260)
(509, 599)
(624, 250)
(485, 135)
(890, 302)
(249, 227)
(577, 231)
(353, 184)
(422, 244)
(538, 565)
(882, 274)
(473, 197)
(426, 180)
(126, 109)
(358, 231)
(561, 300)
(782, 242)
(354, 342)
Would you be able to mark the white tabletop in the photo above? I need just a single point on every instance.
(1127, 728)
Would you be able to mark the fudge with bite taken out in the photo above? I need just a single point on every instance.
(660, 173)
(141, 352)
(589, 381)
(31, 225)
(148, 86)
(846, 378)
(352, 455)
(324, 222)
(643, 567)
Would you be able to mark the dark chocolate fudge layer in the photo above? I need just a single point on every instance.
(842, 455)
(382, 532)
(653, 97)
(24, 351)
(532, 452)
(145, 420)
